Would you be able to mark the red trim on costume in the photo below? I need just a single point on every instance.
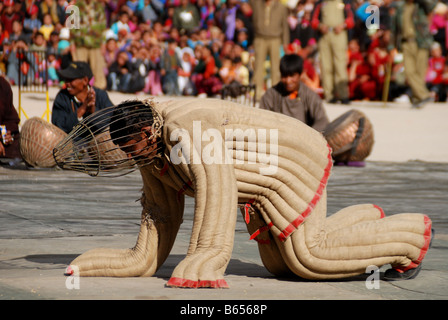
(185, 283)
(69, 271)
(246, 210)
(412, 265)
(164, 169)
(380, 210)
(299, 220)
(423, 251)
(427, 236)
(262, 229)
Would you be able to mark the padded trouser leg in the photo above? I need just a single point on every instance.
(348, 246)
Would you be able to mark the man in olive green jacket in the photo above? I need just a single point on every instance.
(88, 37)
(410, 34)
(271, 32)
(331, 19)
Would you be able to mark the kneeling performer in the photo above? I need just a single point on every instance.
(226, 155)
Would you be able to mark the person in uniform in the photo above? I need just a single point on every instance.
(88, 38)
(271, 29)
(332, 19)
(410, 34)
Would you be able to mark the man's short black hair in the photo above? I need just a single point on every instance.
(291, 64)
(129, 118)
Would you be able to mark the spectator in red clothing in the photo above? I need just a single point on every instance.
(378, 58)
(354, 51)
(436, 68)
(362, 86)
(204, 77)
(4, 35)
(9, 15)
(310, 77)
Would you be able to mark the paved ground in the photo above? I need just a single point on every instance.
(48, 217)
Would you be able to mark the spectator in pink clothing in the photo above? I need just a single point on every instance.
(438, 26)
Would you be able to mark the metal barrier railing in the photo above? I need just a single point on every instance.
(33, 77)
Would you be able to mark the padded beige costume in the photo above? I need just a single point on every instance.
(285, 211)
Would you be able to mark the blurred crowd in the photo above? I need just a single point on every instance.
(195, 47)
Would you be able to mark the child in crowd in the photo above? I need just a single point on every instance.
(204, 37)
(18, 34)
(153, 83)
(39, 43)
(52, 44)
(361, 84)
(147, 38)
(122, 23)
(47, 27)
(241, 71)
(158, 33)
(140, 68)
(123, 40)
(53, 67)
(110, 51)
(227, 72)
(32, 24)
(119, 73)
(436, 68)
(204, 77)
(185, 84)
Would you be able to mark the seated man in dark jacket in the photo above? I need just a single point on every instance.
(78, 100)
(293, 98)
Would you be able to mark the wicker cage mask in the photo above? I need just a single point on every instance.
(113, 141)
